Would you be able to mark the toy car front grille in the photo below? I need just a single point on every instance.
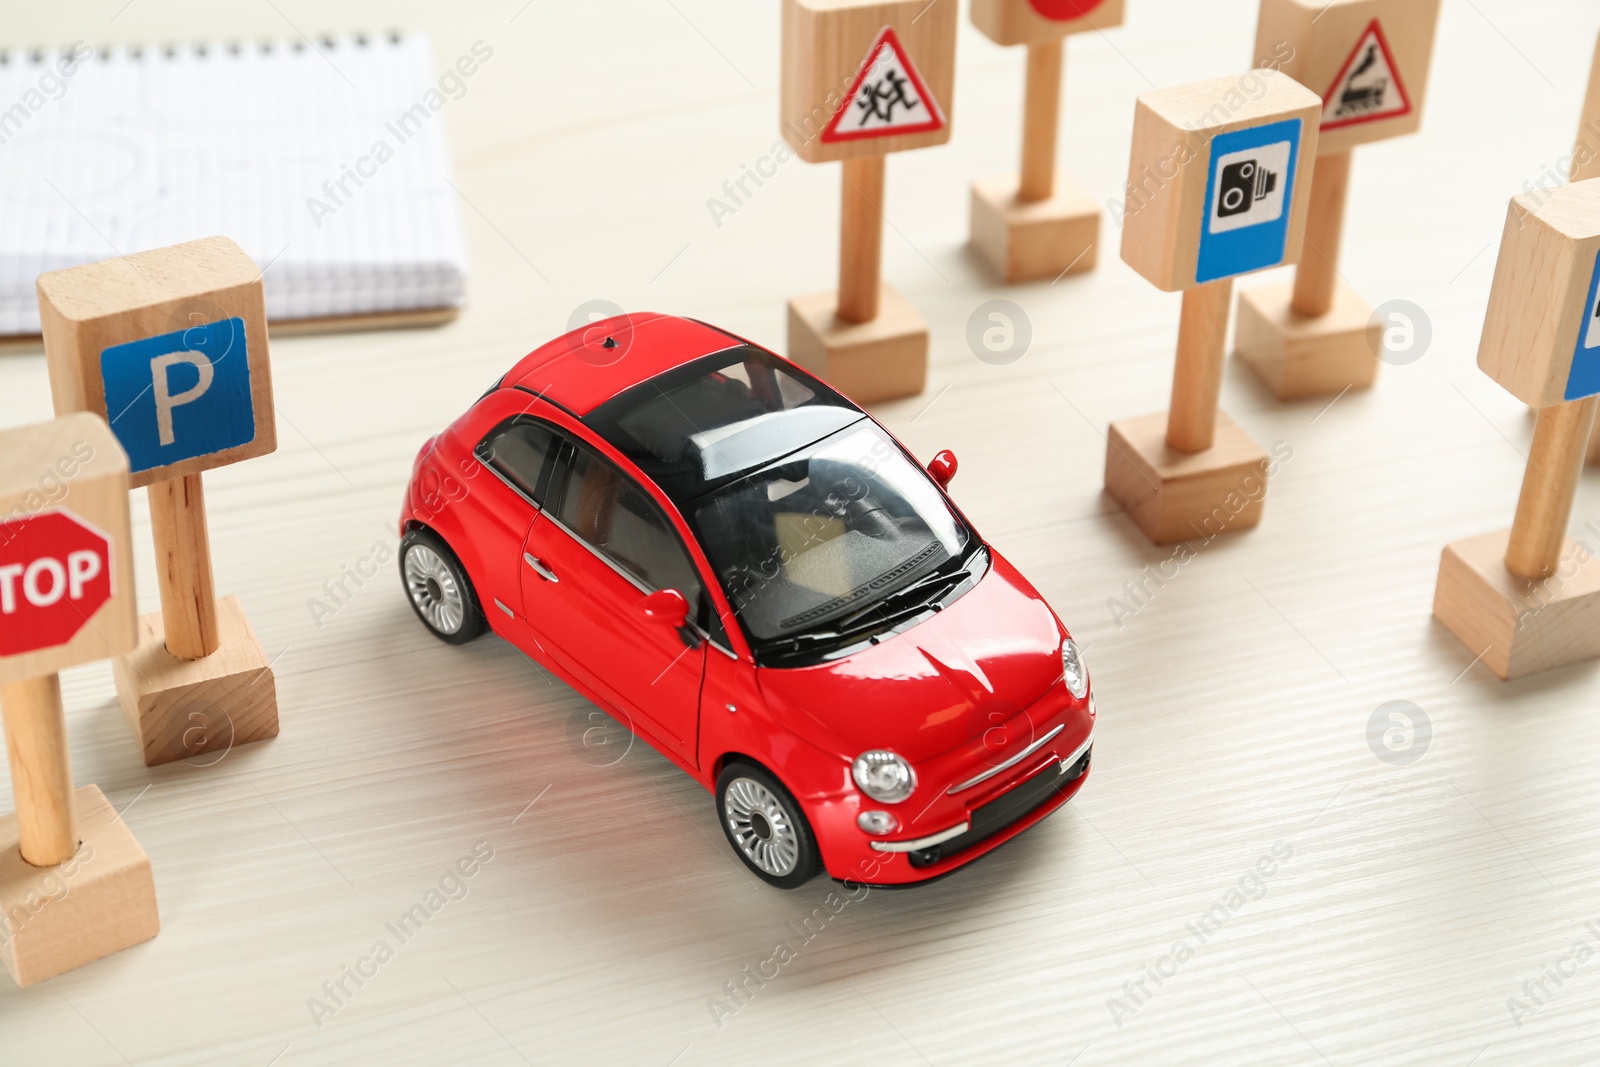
(1006, 809)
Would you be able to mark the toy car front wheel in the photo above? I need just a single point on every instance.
(438, 588)
(765, 826)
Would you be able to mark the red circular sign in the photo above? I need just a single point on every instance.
(1065, 10)
(55, 573)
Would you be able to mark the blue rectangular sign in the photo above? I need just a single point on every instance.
(1583, 380)
(1249, 198)
(180, 395)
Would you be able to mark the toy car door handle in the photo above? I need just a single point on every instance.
(541, 566)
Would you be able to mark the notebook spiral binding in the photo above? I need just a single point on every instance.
(39, 55)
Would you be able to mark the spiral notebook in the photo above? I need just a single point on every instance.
(324, 159)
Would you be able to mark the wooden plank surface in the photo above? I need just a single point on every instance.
(1385, 913)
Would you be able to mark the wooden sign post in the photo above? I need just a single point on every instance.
(74, 884)
(1528, 599)
(1217, 187)
(1033, 226)
(861, 79)
(1370, 60)
(170, 346)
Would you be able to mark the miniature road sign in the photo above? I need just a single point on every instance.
(66, 578)
(55, 573)
(862, 79)
(170, 346)
(66, 598)
(1539, 340)
(1368, 88)
(888, 98)
(1530, 598)
(1217, 187)
(1031, 226)
(1370, 59)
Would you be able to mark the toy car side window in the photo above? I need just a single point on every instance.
(614, 514)
(520, 450)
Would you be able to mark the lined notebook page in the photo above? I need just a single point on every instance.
(139, 148)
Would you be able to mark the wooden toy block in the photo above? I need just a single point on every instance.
(173, 343)
(1529, 599)
(1541, 336)
(100, 900)
(1217, 188)
(170, 347)
(66, 597)
(860, 80)
(1298, 355)
(1370, 60)
(1521, 626)
(1217, 178)
(884, 358)
(865, 77)
(63, 493)
(1009, 22)
(1030, 228)
(182, 708)
(1177, 496)
(1031, 240)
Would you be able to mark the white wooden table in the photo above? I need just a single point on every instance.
(1406, 905)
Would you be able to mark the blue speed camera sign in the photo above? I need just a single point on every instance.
(1249, 197)
(181, 394)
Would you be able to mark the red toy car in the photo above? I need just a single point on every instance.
(723, 552)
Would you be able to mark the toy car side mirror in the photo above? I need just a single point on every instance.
(667, 606)
(943, 467)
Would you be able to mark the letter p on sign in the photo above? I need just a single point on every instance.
(180, 395)
(165, 399)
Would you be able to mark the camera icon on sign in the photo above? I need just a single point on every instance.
(1243, 184)
(1249, 187)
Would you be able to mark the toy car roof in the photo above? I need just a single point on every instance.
(583, 369)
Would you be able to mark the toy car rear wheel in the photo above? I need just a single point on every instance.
(766, 826)
(438, 588)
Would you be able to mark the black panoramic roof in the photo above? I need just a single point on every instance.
(704, 424)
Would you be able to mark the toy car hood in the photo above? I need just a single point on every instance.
(977, 664)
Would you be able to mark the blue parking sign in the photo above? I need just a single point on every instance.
(181, 394)
(1249, 198)
(1583, 380)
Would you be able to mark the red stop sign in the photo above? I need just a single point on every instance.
(1065, 10)
(55, 573)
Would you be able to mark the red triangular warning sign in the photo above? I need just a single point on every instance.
(887, 99)
(1368, 88)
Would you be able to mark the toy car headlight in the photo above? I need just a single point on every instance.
(1073, 672)
(883, 776)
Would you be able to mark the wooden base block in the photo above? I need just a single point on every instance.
(884, 359)
(1298, 356)
(1180, 496)
(1029, 241)
(100, 901)
(1521, 627)
(183, 708)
